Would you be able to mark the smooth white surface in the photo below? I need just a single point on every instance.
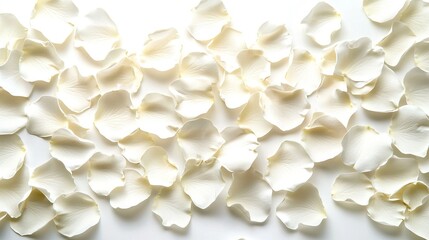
(135, 19)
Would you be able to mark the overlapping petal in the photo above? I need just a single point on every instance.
(381, 11)
(12, 155)
(12, 113)
(303, 72)
(275, 41)
(105, 173)
(352, 187)
(14, 191)
(417, 89)
(10, 76)
(159, 170)
(135, 191)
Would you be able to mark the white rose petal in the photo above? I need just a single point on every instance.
(12, 113)
(417, 89)
(413, 194)
(12, 155)
(417, 219)
(12, 33)
(198, 65)
(252, 117)
(381, 11)
(421, 55)
(105, 173)
(415, 16)
(135, 145)
(14, 191)
(352, 187)
(233, 91)
(135, 191)
(385, 211)
(159, 170)
(10, 76)
(275, 41)
(255, 70)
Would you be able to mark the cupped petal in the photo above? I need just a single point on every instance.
(395, 174)
(12, 113)
(302, 207)
(39, 61)
(322, 138)
(202, 182)
(385, 211)
(135, 191)
(409, 130)
(70, 149)
(159, 170)
(283, 108)
(225, 48)
(114, 117)
(135, 145)
(14, 191)
(97, 34)
(45, 117)
(233, 91)
(156, 115)
(250, 195)
(10, 76)
(55, 19)
(76, 91)
(252, 117)
(413, 194)
(75, 213)
(37, 212)
(53, 179)
(381, 11)
(199, 140)
(421, 54)
(255, 70)
(274, 40)
(415, 16)
(303, 72)
(289, 167)
(199, 65)
(12, 155)
(352, 187)
(416, 84)
(239, 151)
(173, 206)
(365, 149)
(162, 50)
(12, 33)
(397, 42)
(417, 219)
(105, 173)
(321, 22)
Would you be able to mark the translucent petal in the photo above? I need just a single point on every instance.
(274, 40)
(12, 113)
(159, 170)
(352, 187)
(12, 155)
(135, 191)
(105, 173)
(417, 89)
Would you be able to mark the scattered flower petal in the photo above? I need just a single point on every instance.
(381, 11)
(233, 91)
(385, 211)
(275, 41)
(252, 117)
(159, 170)
(199, 65)
(135, 145)
(10, 76)
(105, 173)
(12, 155)
(415, 16)
(421, 55)
(12, 33)
(135, 191)
(255, 70)
(417, 89)
(413, 194)
(417, 220)
(12, 113)
(13, 192)
(352, 187)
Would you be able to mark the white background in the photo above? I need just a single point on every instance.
(135, 19)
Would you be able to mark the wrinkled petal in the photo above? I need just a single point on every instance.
(352, 187)
(302, 207)
(10, 76)
(135, 191)
(289, 167)
(255, 70)
(416, 16)
(135, 145)
(381, 11)
(421, 55)
(416, 84)
(413, 194)
(417, 220)
(12, 155)
(75, 213)
(233, 91)
(303, 72)
(12, 33)
(199, 65)
(53, 179)
(12, 113)
(274, 40)
(13, 192)
(365, 149)
(199, 140)
(385, 211)
(105, 173)
(252, 117)
(321, 22)
(159, 170)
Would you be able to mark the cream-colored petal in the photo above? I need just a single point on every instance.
(283, 108)
(173, 207)
(359, 61)
(135, 191)
(39, 61)
(381, 11)
(415, 16)
(10, 77)
(328, 60)
(413, 194)
(135, 145)
(385, 211)
(417, 88)
(156, 115)
(76, 91)
(37, 212)
(302, 207)
(254, 69)
(199, 65)
(386, 94)
(97, 34)
(54, 18)
(321, 22)
(397, 42)
(395, 174)
(12, 33)
(75, 213)
(70, 149)
(421, 54)
(410, 130)
(416, 220)
(162, 50)
(233, 91)
(12, 155)
(274, 40)
(225, 48)
(252, 117)
(202, 182)
(239, 151)
(303, 72)
(114, 118)
(14, 191)
(194, 97)
(159, 170)
(365, 149)
(53, 179)
(250, 195)
(424, 163)
(208, 19)
(199, 139)
(322, 138)
(45, 117)
(12, 113)
(289, 167)
(105, 173)
(352, 187)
